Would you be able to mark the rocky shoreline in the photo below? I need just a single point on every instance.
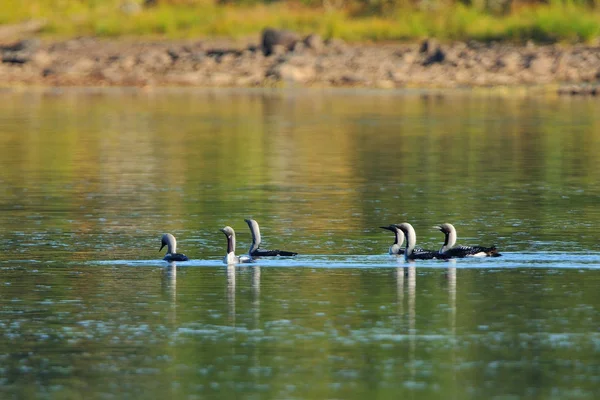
(308, 62)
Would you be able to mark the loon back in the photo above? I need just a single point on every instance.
(473, 251)
(272, 253)
(175, 257)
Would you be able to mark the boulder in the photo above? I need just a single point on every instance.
(314, 42)
(273, 37)
(432, 52)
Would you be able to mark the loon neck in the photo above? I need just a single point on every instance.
(230, 244)
(411, 238)
(399, 237)
(171, 243)
(255, 230)
(449, 238)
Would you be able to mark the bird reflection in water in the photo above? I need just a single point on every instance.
(169, 287)
(231, 293)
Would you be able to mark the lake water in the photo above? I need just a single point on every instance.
(90, 179)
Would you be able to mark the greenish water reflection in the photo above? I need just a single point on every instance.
(103, 173)
(89, 180)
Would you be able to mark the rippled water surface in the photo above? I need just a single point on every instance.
(89, 180)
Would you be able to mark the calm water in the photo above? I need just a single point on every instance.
(89, 180)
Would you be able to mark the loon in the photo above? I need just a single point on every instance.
(413, 253)
(231, 258)
(169, 241)
(449, 250)
(255, 250)
(396, 248)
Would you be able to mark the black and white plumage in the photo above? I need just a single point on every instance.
(230, 257)
(255, 250)
(169, 241)
(396, 248)
(452, 251)
(413, 253)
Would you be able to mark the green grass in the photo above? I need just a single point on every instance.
(554, 22)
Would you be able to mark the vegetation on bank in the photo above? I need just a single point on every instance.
(353, 20)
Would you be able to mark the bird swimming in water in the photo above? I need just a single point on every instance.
(449, 250)
(413, 253)
(231, 258)
(169, 241)
(255, 250)
(396, 248)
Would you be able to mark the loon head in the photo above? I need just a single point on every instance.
(228, 231)
(391, 227)
(169, 241)
(449, 235)
(445, 228)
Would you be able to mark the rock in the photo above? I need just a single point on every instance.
(188, 78)
(81, 67)
(352, 79)
(155, 59)
(510, 62)
(541, 65)
(385, 84)
(41, 59)
(249, 80)
(438, 56)
(127, 63)
(278, 50)
(221, 79)
(432, 52)
(19, 52)
(314, 42)
(299, 47)
(29, 45)
(293, 73)
(15, 57)
(428, 46)
(338, 46)
(273, 37)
